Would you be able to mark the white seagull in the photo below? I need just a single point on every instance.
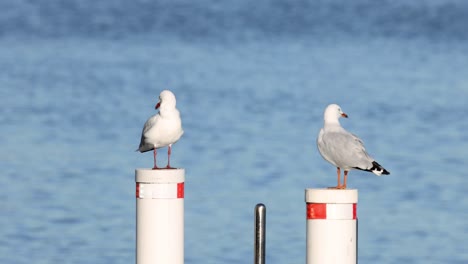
(163, 129)
(343, 149)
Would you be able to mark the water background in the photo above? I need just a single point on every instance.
(78, 80)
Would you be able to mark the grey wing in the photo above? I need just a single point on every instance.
(145, 146)
(348, 150)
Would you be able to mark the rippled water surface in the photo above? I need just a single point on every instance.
(252, 103)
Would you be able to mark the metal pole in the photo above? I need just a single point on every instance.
(331, 226)
(160, 216)
(259, 246)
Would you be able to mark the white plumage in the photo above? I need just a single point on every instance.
(162, 129)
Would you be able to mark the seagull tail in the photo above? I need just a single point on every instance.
(376, 168)
(144, 148)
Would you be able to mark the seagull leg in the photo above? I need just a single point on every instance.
(345, 179)
(338, 173)
(169, 151)
(154, 155)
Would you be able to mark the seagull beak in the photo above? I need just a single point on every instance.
(344, 115)
(157, 105)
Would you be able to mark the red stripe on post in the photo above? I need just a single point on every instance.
(354, 211)
(137, 190)
(316, 211)
(180, 190)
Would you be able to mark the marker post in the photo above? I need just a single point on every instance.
(160, 216)
(331, 226)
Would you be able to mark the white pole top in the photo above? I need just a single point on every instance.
(159, 176)
(331, 196)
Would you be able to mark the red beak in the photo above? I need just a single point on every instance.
(157, 105)
(344, 115)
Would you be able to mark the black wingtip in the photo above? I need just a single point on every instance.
(377, 167)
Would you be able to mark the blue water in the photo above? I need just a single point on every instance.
(78, 80)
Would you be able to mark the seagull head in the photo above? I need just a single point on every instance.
(166, 100)
(333, 112)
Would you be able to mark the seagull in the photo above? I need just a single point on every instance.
(162, 129)
(343, 149)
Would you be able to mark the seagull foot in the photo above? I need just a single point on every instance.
(339, 187)
(165, 168)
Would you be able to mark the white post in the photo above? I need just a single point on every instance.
(160, 216)
(331, 226)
